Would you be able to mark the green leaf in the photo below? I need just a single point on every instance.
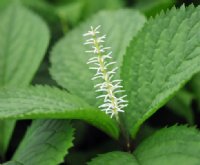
(4, 3)
(12, 163)
(181, 105)
(69, 59)
(174, 145)
(6, 128)
(23, 42)
(47, 102)
(159, 61)
(46, 142)
(115, 158)
(24, 39)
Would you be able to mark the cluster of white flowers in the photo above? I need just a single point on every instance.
(101, 63)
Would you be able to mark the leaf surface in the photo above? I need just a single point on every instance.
(12, 163)
(48, 102)
(159, 61)
(174, 145)
(114, 158)
(6, 127)
(23, 41)
(45, 142)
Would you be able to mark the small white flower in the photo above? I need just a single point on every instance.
(105, 71)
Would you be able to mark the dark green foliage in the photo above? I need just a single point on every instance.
(175, 145)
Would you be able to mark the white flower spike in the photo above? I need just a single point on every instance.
(108, 88)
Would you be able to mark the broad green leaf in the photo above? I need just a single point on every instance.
(115, 158)
(69, 59)
(23, 41)
(48, 102)
(45, 143)
(174, 145)
(181, 105)
(159, 61)
(152, 7)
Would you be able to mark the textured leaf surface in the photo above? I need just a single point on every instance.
(114, 158)
(161, 59)
(69, 59)
(47, 102)
(46, 142)
(175, 145)
(23, 41)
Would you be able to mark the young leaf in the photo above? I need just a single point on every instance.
(23, 42)
(46, 142)
(115, 158)
(69, 59)
(47, 102)
(175, 145)
(159, 61)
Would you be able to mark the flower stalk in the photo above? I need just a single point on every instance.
(109, 88)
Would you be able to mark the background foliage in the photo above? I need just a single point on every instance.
(45, 81)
